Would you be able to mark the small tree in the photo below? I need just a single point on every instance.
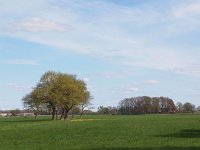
(187, 107)
(15, 112)
(179, 107)
(33, 100)
(103, 110)
(83, 105)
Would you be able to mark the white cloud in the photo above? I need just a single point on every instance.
(183, 18)
(158, 57)
(86, 79)
(39, 25)
(190, 69)
(133, 89)
(152, 82)
(187, 10)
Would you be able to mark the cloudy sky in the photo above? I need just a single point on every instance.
(120, 48)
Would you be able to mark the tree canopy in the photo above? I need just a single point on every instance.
(146, 105)
(57, 91)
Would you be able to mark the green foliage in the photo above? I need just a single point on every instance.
(103, 110)
(15, 112)
(141, 132)
(187, 107)
(146, 105)
(58, 91)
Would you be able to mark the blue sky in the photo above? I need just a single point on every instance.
(120, 48)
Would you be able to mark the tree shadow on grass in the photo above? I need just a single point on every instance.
(185, 133)
(146, 148)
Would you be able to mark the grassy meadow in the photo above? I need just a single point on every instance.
(140, 132)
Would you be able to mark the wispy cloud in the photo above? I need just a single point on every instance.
(190, 69)
(39, 25)
(19, 87)
(131, 36)
(19, 62)
(86, 79)
(110, 75)
(152, 82)
(187, 10)
(133, 89)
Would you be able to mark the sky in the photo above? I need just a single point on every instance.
(121, 49)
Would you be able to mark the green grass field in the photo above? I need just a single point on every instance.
(141, 132)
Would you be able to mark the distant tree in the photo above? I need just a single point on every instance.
(179, 107)
(155, 105)
(147, 104)
(83, 105)
(193, 108)
(188, 107)
(198, 108)
(112, 110)
(103, 110)
(15, 112)
(89, 112)
(171, 108)
(75, 111)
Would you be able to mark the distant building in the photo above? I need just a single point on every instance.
(25, 114)
(5, 114)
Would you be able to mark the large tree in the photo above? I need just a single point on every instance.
(71, 92)
(59, 91)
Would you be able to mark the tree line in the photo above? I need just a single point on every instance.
(148, 105)
(141, 105)
(186, 107)
(57, 92)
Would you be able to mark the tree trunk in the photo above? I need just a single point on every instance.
(56, 114)
(36, 113)
(81, 114)
(62, 114)
(72, 113)
(53, 113)
(66, 113)
(82, 109)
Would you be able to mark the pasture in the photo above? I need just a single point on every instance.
(140, 132)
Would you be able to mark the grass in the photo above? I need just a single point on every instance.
(141, 132)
